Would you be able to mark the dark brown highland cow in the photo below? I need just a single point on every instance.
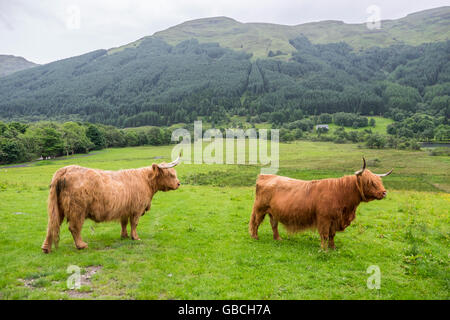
(328, 205)
(78, 193)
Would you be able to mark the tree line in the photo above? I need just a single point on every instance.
(20, 142)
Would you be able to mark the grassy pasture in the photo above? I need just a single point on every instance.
(195, 242)
(380, 125)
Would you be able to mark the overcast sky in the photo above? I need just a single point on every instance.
(47, 30)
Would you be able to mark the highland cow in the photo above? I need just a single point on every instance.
(328, 205)
(78, 193)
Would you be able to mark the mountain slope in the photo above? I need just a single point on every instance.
(158, 84)
(10, 64)
(153, 82)
(261, 38)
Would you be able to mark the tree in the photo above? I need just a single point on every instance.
(75, 139)
(19, 127)
(375, 141)
(114, 137)
(96, 137)
(286, 135)
(52, 143)
(3, 128)
(325, 118)
(142, 138)
(11, 150)
(340, 136)
(277, 117)
(154, 136)
(441, 105)
(131, 138)
(442, 133)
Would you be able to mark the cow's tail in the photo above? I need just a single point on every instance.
(257, 216)
(55, 216)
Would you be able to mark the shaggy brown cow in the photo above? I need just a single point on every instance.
(78, 193)
(328, 204)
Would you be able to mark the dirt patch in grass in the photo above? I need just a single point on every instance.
(40, 282)
(28, 283)
(85, 282)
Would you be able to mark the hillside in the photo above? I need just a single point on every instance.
(261, 38)
(157, 82)
(10, 64)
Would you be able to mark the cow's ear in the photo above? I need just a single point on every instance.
(156, 170)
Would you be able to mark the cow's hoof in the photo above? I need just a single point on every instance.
(255, 237)
(82, 246)
(45, 250)
(124, 236)
(138, 239)
(277, 238)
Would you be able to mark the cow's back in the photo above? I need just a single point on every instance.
(79, 188)
(288, 200)
(101, 195)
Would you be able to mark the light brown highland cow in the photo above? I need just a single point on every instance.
(328, 205)
(78, 193)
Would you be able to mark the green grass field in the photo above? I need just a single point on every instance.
(380, 126)
(195, 243)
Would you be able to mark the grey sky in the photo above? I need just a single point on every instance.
(48, 30)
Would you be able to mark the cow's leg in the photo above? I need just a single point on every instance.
(331, 235)
(324, 230)
(331, 242)
(255, 220)
(323, 241)
(134, 220)
(274, 224)
(75, 225)
(46, 246)
(124, 223)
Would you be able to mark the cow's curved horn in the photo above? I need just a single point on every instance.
(172, 164)
(359, 172)
(385, 174)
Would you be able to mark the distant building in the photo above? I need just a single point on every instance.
(322, 126)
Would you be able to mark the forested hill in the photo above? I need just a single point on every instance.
(10, 64)
(152, 82)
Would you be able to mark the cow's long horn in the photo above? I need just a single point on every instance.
(362, 169)
(172, 164)
(385, 174)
